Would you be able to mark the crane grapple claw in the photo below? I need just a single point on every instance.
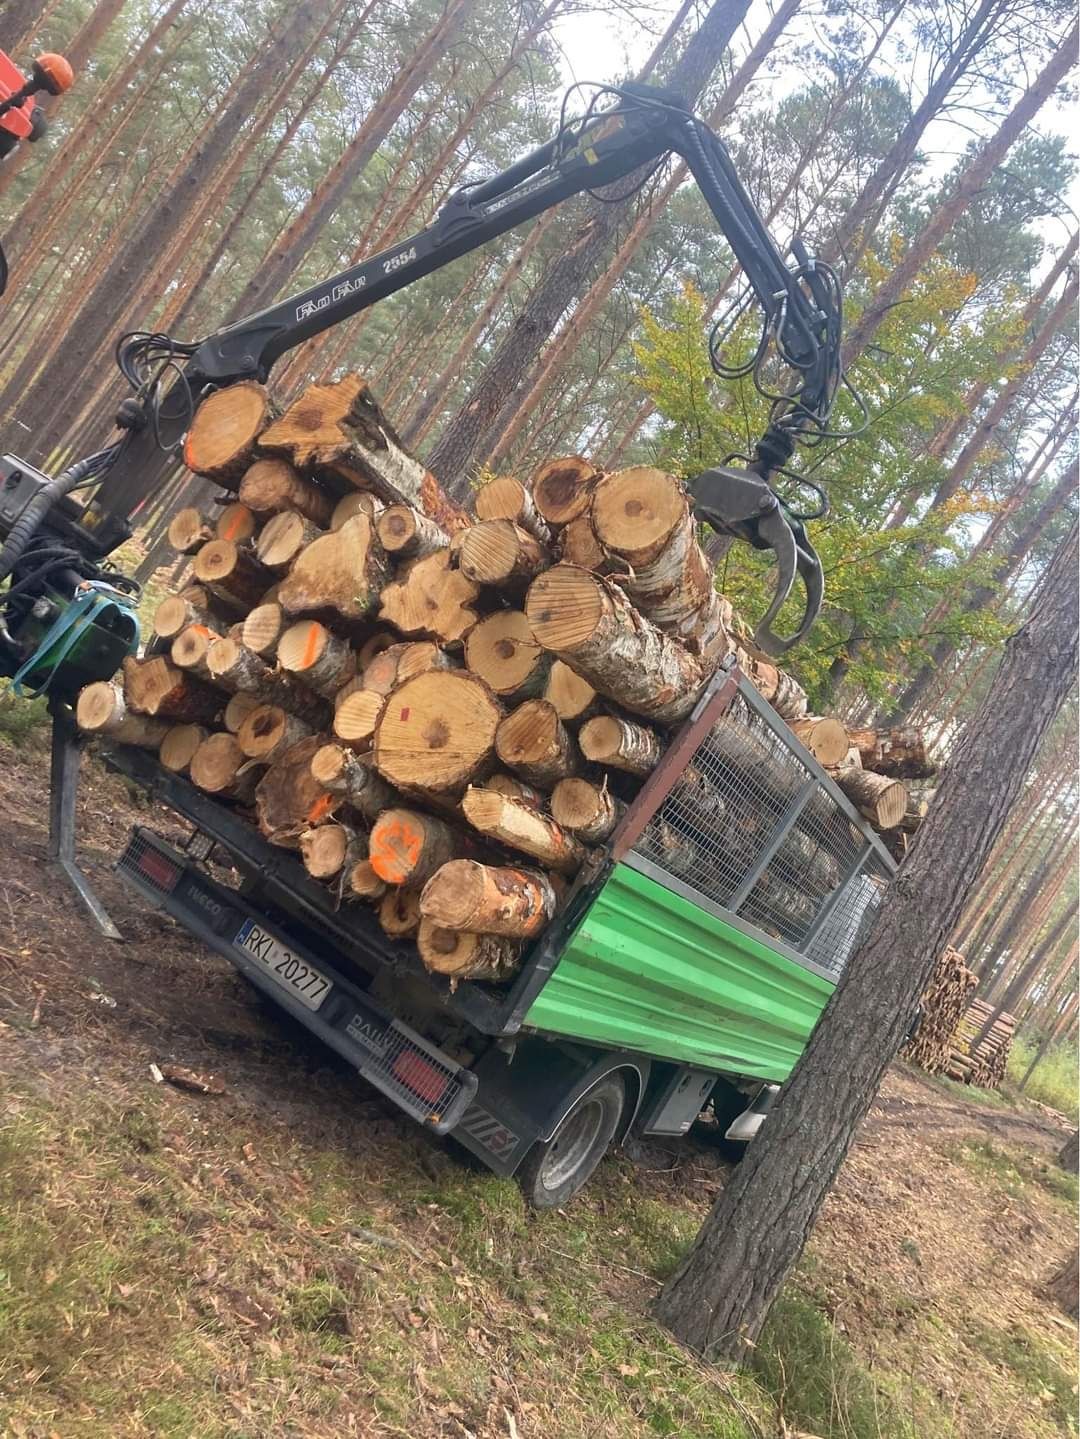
(741, 503)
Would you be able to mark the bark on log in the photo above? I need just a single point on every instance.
(355, 719)
(102, 710)
(578, 545)
(898, 753)
(533, 742)
(562, 489)
(188, 531)
(522, 828)
(179, 746)
(589, 623)
(224, 431)
(268, 731)
(574, 699)
(237, 710)
(360, 502)
(431, 599)
(176, 612)
(321, 660)
(361, 882)
(232, 573)
(437, 732)
(785, 694)
(502, 650)
(353, 778)
(825, 738)
(272, 485)
(881, 800)
(505, 498)
(488, 899)
(263, 628)
(621, 744)
(405, 533)
(374, 645)
(236, 522)
(282, 538)
(156, 687)
(498, 552)
(587, 810)
(399, 912)
(234, 667)
(327, 849)
(466, 956)
(220, 767)
(290, 800)
(642, 516)
(341, 573)
(407, 847)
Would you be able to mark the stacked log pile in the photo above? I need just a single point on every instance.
(944, 1004)
(442, 715)
(981, 1044)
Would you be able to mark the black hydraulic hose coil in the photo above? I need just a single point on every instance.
(26, 526)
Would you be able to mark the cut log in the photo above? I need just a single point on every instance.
(503, 652)
(516, 825)
(341, 573)
(587, 810)
(156, 687)
(574, 698)
(578, 545)
(399, 912)
(268, 731)
(220, 767)
(271, 485)
(353, 778)
(785, 694)
(380, 672)
(825, 738)
(588, 622)
(533, 742)
(431, 599)
(237, 710)
(437, 732)
(374, 645)
(621, 744)
(466, 956)
(176, 612)
(562, 489)
(236, 522)
(643, 516)
(179, 746)
(189, 649)
(339, 427)
(407, 847)
(898, 753)
(234, 667)
(488, 899)
(355, 719)
(420, 657)
(881, 800)
(505, 498)
(498, 552)
(282, 538)
(515, 788)
(221, 439)
(231, 572)
(289, 799)
(188, 531)
(405, 533)
(361, 882)
(328, 848)
(263, 628)
(102, 710)
(323, 661)
(359, 502)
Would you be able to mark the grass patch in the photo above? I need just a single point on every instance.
(1013, 1169)
(1056, 1080)
(22, 720)
(1039, 1365)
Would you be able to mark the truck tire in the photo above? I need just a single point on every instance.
(557, 1168)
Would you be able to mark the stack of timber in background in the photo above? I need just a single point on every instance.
(980, 1046)
(944, 1003)
(443, 716)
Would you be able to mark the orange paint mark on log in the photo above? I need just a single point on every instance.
(312, 647)
(395, 847)
(320, 809)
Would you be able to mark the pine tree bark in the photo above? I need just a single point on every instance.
(719, 1298)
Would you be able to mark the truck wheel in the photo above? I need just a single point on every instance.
(558, 1167)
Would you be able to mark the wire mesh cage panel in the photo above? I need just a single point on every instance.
(753, 825)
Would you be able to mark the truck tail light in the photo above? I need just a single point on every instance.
(416, 1073)
(158, 869)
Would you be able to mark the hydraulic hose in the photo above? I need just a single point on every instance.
(26, 526)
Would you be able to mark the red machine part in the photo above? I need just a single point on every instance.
(17, 121)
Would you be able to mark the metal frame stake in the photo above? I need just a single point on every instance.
(64, 760)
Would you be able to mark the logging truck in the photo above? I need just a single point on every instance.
(691, 956)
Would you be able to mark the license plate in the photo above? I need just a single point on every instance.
(301, 979)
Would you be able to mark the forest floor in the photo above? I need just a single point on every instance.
(293, 1257)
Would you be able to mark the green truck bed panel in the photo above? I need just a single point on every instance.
(647, 970)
